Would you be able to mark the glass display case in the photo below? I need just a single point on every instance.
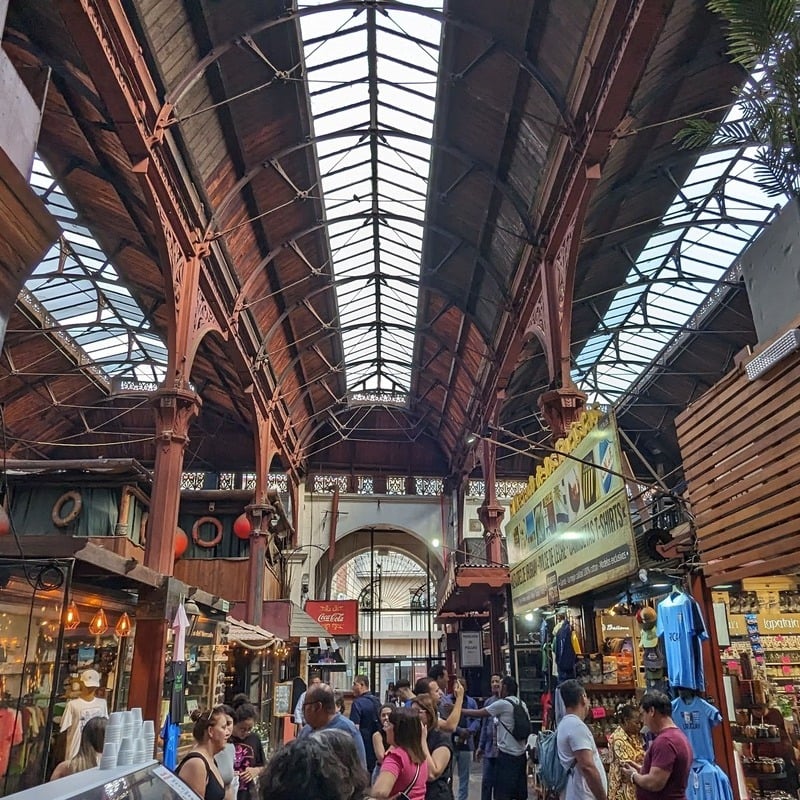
(149, 781)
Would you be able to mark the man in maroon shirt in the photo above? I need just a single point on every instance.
(665, 772)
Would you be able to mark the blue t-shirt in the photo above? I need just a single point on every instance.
(340, 723)
(696, 718)
(681, 626)
(708, 782)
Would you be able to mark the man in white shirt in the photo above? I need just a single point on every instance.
(81, 709)
(511, 780)
(299, 717)
(577, 750)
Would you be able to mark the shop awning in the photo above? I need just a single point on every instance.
(252, 636)
(466, 588)
(289, 621)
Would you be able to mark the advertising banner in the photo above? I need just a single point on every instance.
(573, 531)
(338, 617)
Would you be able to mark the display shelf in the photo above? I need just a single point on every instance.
(747, 740)
(610, 687)
(766, 776)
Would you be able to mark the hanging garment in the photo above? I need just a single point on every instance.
(565, 652)
(681, 628)
(696, 718)
(10, 734)
(708, 782)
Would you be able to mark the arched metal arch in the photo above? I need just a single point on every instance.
(508, 191)
(185, 83)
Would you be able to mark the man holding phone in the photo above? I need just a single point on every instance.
(665, 772)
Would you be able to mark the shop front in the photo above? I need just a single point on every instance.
(569, 537)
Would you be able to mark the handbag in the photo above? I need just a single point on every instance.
(404, 794)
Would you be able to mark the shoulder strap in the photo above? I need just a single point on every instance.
(194, 755)
(508, 699)
(414, 780)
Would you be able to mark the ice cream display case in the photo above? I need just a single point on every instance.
(150, 781)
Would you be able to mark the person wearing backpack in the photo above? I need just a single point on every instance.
(577, 751)
(365, 715)
(513, 723)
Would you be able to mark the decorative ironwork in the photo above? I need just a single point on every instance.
(365, 484)
(226, 480)
(429, 487)
(395, 484)
(193, 480)
(327, 483)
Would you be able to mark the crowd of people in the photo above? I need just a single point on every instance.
(411, 747)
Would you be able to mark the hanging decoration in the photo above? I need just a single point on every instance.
(98, 624)
(123, 626)
(181, 542)
(71, 617)
(5, 522)
(241, 527)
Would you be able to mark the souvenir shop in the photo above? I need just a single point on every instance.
(758, 624)
(583, 607)
(55, 625)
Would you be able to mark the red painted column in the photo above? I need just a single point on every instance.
(715, 687)
(175, 409)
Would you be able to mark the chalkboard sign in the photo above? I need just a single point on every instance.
(283, 699)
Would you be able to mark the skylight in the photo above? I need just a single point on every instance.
(372, 83)
(78, 294)
(716, 214)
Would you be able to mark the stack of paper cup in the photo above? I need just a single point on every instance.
(127, 725)
(114, 727)
(126, 752)
(140, 751)
(108, 760)
(149, 736)
(136, 716)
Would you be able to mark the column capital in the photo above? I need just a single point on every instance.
(175, 409)
(561, 407)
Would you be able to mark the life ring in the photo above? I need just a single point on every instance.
(206, 542)
(77, 504)
(143, 528)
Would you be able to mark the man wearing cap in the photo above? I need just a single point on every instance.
(81, 709)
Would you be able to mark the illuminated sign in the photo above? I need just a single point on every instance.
(573, 532)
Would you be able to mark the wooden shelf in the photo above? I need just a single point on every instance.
(610, 687)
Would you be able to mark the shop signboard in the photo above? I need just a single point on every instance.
(338, 617)
(571, 531)
(776, 624)
(471, 650)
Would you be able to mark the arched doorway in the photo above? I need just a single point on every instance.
(397, 600)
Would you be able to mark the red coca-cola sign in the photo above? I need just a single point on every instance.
(338, 617)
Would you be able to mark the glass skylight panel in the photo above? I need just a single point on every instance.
(76, 286)
(383, 176)
(717, 213)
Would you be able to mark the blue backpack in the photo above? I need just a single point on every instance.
(552, 774)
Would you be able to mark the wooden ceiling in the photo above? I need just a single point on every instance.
(229, 74)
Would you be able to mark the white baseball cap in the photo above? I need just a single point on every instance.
(90, 678)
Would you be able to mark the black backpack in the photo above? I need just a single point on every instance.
(521, 728)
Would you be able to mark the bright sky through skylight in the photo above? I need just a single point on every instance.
(718, 212)
(80, 290)
(372, 82)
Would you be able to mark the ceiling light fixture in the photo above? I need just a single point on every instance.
(72, 617)
(781, 348)
(98, 625)
(123, 627)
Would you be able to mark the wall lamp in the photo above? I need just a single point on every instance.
(781, 348)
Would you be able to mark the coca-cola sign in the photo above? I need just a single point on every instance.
(338, 617)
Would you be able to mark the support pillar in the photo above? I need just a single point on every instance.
(715, 685)
(147, 666)
(490, 512)
(496, 611)
(175, 409)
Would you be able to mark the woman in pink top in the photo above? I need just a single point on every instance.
(403, 768)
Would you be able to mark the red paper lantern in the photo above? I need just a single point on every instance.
(181, 542)
(241, 527)
(5, 522)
